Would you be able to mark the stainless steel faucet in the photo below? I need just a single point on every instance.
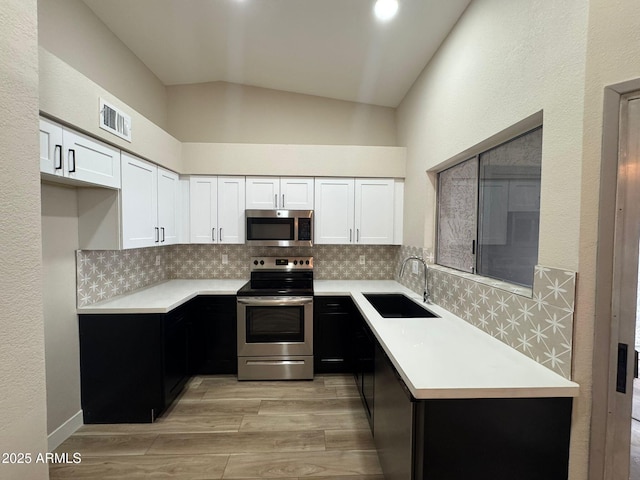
(426, 296)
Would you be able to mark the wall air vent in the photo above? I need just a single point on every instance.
(115, 121)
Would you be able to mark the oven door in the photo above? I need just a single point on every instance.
(275, 326)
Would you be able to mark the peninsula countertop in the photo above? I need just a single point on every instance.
(443, 357)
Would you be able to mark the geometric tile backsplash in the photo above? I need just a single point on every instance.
(537, 322)
(103, 274)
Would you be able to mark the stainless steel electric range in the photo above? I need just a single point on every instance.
(275, 320)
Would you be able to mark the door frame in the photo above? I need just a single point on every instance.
(607, 405)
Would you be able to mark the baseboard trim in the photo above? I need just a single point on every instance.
(64, 431)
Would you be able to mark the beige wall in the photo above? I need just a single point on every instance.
(59, 243)
(228, 113)
(71, 31)
(613, 50)
(293, 160)
(22, 368)
(502, 63)
(71, 97)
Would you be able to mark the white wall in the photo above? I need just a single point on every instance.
(22, 368)
(229, 113)
(71, 97)
(62, 355)
(613, 56)
(502, 63)
(71, 31)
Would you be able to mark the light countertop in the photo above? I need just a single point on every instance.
(436, 357)
(163, 297)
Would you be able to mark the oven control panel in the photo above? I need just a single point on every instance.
(281, 263)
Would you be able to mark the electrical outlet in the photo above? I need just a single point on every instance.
(157, 260)
(362, 260)
(225, 259)
(414, 267)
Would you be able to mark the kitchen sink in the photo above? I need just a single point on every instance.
(397, 305)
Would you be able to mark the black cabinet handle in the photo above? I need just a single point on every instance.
(57, 155)
(157, 234)
(72, 157)
(162, 230)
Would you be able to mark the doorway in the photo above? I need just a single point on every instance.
(622, 431)
(634, 456)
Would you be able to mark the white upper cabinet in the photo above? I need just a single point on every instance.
(374, 211)
(217, 209)
(263, 193)
(333, 216)
(356, 211)
(169, 218)
(150, 197)
(203, 205)
(268, 193)
(296, 193)
(231, 200)
(76, 158)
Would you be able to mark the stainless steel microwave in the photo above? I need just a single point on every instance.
(279, 228)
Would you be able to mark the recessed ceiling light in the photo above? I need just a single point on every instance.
(385, 9)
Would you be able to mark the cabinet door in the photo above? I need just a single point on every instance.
(296, 193)
(334, 210)
(175, 346)
(50, 148)
(168, 206)
(214, 347)
(332, 334)
(203, 209)
(231, 198)
(263, 193)
(374, 207)
(91, 161)
(139, 203)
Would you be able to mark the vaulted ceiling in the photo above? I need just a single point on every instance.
(329, 48)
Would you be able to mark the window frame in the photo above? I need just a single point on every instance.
(475, 246)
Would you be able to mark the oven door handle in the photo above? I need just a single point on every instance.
(275, 300)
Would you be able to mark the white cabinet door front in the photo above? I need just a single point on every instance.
(91, 161)
(51, 148)
(231, 198)
(334, 210)
(374, 209)
(203, 206)
(296, 193)
(168, 206)
(139, 203)
(263, 193)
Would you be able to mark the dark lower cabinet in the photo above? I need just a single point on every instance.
(493, 439)
(132, 366)
(176, 353)
(214, 345)
(332, 334)
(461, 439)
(364, 345)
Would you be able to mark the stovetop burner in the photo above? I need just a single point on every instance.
(279, 276)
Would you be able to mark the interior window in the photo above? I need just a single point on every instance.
(491, 226)
(457, 206)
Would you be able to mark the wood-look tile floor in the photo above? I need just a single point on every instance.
(220, 428)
